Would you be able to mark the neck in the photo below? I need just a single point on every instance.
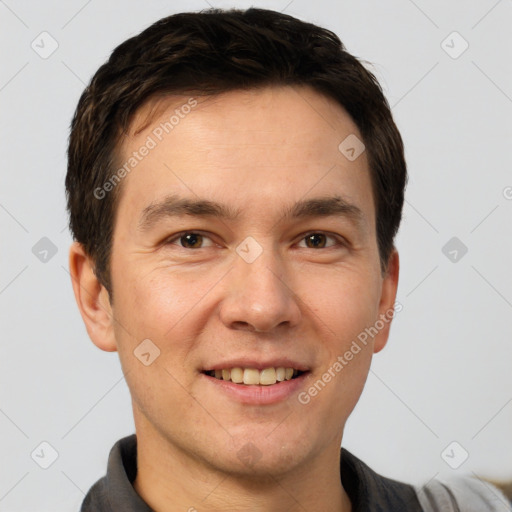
(170, 480)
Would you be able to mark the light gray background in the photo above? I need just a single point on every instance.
(446, 373)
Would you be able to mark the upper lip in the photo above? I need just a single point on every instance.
(259, 364)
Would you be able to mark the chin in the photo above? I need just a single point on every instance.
(256, 466)
(265, 454)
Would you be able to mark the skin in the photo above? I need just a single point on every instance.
(257, 151)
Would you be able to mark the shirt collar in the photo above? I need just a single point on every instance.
(368, 491)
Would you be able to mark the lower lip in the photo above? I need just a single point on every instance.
(257, 394)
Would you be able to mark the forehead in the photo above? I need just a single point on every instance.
(252, 146)
(280, 115)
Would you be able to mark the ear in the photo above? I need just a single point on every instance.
(387, 307)
(92, 299)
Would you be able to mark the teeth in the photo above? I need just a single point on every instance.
(237, 375)
(268, 376)
(252, 376)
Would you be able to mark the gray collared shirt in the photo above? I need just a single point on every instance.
(368, 491)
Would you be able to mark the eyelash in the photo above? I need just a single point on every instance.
(339, 241)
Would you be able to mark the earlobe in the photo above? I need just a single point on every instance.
(387, 301)
(92, 299)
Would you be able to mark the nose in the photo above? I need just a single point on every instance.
(259, 296)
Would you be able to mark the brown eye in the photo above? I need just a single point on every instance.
(190, 240)
(320, 241)
(316, 240)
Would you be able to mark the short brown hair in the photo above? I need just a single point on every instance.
(207, 53)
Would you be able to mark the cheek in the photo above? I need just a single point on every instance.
(335, 388)
(348, 307)
(154, 305)
(344, 304)
(170, 309)
(159, 309)
(149, 319)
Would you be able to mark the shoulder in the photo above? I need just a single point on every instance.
(462, 493)
(370, 492)
(96, 500)
(115, 491)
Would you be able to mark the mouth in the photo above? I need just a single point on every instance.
(254, 377)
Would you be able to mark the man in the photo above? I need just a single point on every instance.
(235, 183)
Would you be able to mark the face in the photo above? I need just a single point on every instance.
(245, 240)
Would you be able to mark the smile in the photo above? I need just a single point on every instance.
(253, 376)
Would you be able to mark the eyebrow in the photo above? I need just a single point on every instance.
(175, 206)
